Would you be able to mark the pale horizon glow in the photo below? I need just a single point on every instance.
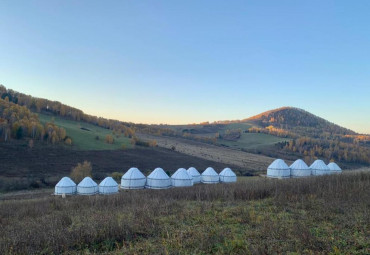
(171, 62)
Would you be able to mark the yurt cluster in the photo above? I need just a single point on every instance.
(135, 179)
(279, 169)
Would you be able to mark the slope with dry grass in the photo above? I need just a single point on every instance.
(251, 162)
(319, 215)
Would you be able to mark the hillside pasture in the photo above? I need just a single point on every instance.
(247, 141)
(247, 161)
(84, 135)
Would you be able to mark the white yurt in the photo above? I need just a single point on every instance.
(299, 169)
(319, 168)
(108, 186)
(181, 178)
(133, 179)
(87, 187)
(195, 174)
(158, 179)
(227, 175)
(278, 169)
(210, 176)
(65, 186)
(334, 168)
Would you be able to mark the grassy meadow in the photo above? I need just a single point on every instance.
(318, 215)
(253, 141)
(84, 134)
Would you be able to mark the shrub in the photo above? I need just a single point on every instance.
(109, 139)
(81, 171)
(68, 141)
(117, 176)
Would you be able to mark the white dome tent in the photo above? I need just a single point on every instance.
(65, 186)
(158, 179)
(210, 176)
(227, 175)
(108, 186)
(278, 169)
(319, 168)
(334, 168)
(299, 169)
(133, 179)
(195, 174)
(181, 178)
(87, 187)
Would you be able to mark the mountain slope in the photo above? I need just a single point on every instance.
(299, 121)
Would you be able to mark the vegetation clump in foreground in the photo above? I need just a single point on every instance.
(321, 215)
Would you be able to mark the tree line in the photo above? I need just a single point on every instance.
(17, 122)
(312, 148)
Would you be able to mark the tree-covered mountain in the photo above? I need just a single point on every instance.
(300, 122)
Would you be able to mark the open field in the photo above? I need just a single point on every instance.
(248, 161)
(318, 215)
(253, 141)
(42, 166)
(84, 134)
(247, 141)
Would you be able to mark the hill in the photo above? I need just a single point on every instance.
(86, 136)
(298, 121)
(286, 132)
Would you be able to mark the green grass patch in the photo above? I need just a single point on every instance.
(253, 141)
(84, 134)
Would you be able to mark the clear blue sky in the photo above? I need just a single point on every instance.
(191, 61)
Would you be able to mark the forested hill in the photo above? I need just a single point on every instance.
(35, 104)
(17, 122)
(300, 122)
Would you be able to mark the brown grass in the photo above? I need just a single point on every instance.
(314, 215)
(252, 163)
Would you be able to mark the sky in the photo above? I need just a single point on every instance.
(180, 62)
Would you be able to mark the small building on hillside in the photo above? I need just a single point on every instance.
(87, 187)
(181, 178)
(210, 176)
(133, 179)
(195, 174)
(334, 168)
(65, 186)
(299, 169)
(108, 186)
(227, 175)
(319, 168)
(158, 179)
(278, 169)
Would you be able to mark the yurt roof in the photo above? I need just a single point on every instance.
(193, 171)
(87, 182)
(108, 182)
(133, 173)
(334, 167)
(159, 174)
(66, 182)
(278, 164)
(319, 165)
(227, 172)
(209, 171)
(181, 174)
(299, 164)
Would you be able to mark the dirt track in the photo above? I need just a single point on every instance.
(247, 161)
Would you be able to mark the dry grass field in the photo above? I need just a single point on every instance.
(318, 215)
(248, 161)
